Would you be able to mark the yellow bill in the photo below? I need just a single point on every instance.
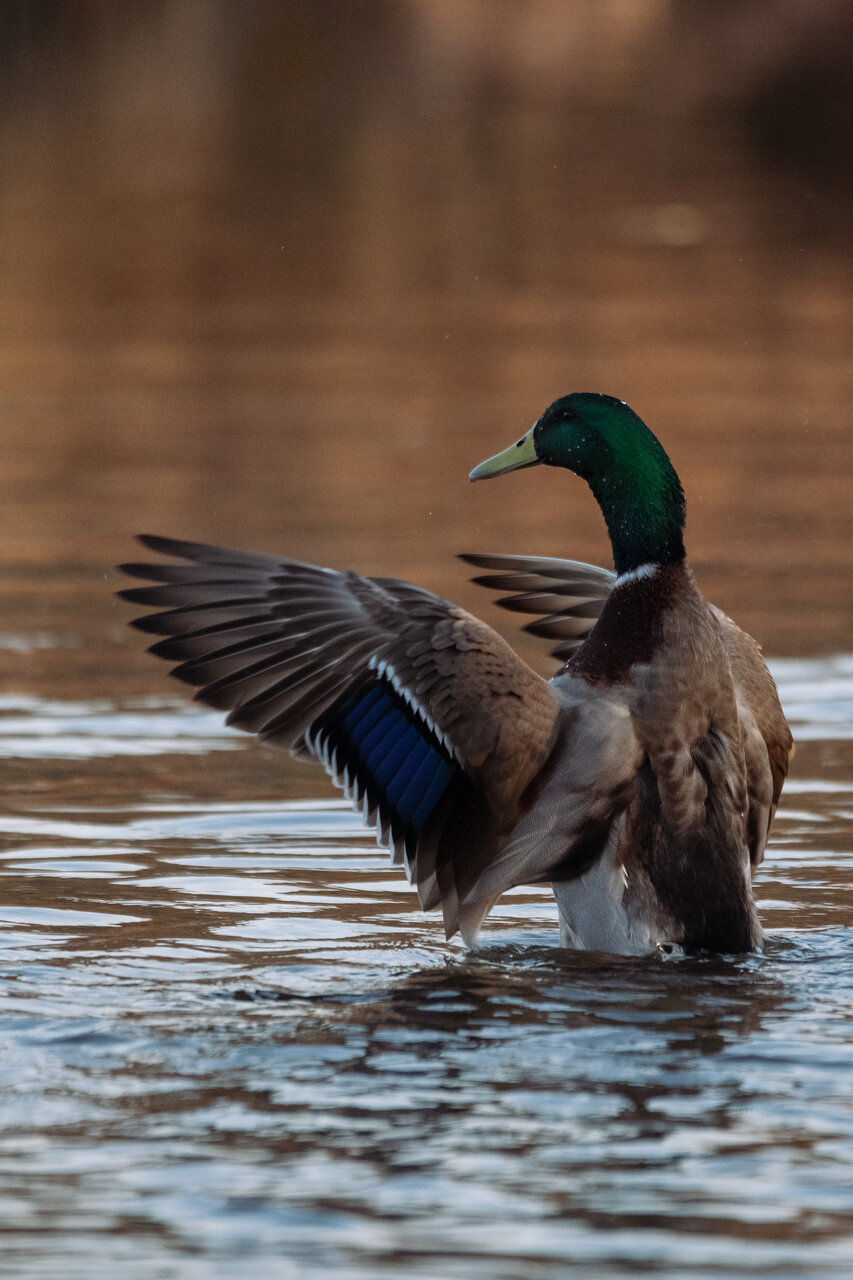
(521, 454)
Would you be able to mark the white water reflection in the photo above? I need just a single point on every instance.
(817, 696)
(44, 728)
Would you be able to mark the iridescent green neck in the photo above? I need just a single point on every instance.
(633, 480)
(643, 509)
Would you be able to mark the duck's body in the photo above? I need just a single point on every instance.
(640, 781)
(677, 861)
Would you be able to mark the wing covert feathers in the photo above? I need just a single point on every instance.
(768, 744)
(421, 713)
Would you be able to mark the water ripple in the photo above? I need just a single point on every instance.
(228, 1033)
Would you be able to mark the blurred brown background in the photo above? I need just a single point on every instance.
(279, 274)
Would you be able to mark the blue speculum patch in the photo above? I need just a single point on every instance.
(392, 751)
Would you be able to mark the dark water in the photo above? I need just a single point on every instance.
(281, 284)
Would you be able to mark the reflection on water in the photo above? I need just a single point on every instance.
(229, 1033)
(279, 280)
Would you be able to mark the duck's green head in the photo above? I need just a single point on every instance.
(602, 440)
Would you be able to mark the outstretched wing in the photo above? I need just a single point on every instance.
(569, 594)
(422, 714)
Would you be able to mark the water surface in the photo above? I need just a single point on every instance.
(230, 1039)
(280, 283)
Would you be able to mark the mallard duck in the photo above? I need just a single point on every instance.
(640, 781)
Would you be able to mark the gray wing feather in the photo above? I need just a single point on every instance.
(569, 593)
